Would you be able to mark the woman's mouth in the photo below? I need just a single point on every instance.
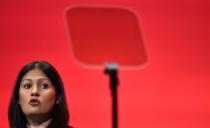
(34, 102)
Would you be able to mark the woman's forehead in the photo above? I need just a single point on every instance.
(35, 74)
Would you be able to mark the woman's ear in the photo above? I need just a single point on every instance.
(58, 100)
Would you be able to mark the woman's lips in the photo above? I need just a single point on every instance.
(34, 102)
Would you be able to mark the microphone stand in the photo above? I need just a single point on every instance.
(111, 69)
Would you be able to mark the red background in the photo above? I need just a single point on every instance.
(172, 91)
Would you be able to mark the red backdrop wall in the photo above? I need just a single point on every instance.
(172, 91)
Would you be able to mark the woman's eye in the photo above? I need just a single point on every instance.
(27, 85)
(44, 85)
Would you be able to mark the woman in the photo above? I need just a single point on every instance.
(38, 99)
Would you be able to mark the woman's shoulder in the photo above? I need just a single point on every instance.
(68, 126)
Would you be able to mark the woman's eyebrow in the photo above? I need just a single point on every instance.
(30, 80)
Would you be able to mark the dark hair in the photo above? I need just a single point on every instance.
(60, 114)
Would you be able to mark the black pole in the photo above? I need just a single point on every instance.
(112, 71)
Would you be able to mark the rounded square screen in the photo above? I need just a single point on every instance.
(99, 35)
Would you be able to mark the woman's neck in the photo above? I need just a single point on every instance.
(38, 120)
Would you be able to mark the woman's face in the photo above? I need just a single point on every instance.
(37, 94)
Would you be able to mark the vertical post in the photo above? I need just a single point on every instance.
(112, 70)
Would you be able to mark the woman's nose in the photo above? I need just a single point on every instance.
(35, 91)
